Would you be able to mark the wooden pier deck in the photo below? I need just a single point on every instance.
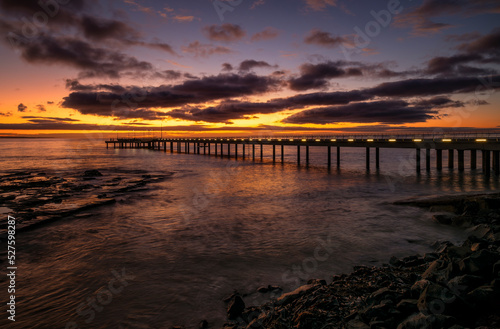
(488, 145)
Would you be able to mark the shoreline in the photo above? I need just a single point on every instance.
(457, 286)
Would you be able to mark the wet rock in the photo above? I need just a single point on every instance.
(236, 307)
(434, 298)
(479, 231)
(419, 286)
(443, 219)
(496, 270)
(262, 290)
(317, 281)
(357, 324)
(92, 173)
(464, 283)
(288, 297)
(394, 261)
(479, 263)
(408, 306)
(203, 325)
(422, 321)
(433, 269)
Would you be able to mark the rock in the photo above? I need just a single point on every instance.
(431, 256)
(464, 283)
(496, 270)
(274, 288)
(203, 324)
(317, 281)
(92, 173)
(435, 298)
(455, 252)
(432, 270)
(262, 290)
(479, 231)
(422, 321)
(443, 219)
(482, 296)
(479, 263)
(408, 306)
(394, 261)
(236, 307)
(382, 294)
(418, 287)
(288, 297)
(357, 324)
(380, 311)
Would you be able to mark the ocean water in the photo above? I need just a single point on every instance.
(170, 254)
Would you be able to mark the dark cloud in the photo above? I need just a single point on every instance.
(46, 119)
(320, 5)
(436, 86)
(227, 67)
(75, 85)
(41, 108)
(420, 18)
(250, 64)
(194, 91)
(224, 112)
(169, 75)
(438, 102)
(205, 50)
(325, 39)
(224, 32)
(82, 55)
(488, 44)
(21, 107)
(7, 114)
(314, 76)
(50, 102)
(448, 65)
(99, 29)
(387, 112)
(268, 33)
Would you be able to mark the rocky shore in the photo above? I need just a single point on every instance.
(457, 286)
(38, 198)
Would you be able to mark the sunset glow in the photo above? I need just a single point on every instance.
(215, 68)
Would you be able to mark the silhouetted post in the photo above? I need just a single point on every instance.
(473, 159)
(428, 159)
(451, 159)
(282, 153)
(208, 148)
(439, 159)
(274, 153)
(236, 151)
(377, 158)
(164, 146)
(298, 155)
(460, 160)
(338, 156)
(253, 151)
(171, 147)
(486, 162)
(228, 150)
(221, 150)
(307, 155)
(329, 157)
(261, 152)
(496, 162)
(418, 159)
(367, 158)
(243, 146)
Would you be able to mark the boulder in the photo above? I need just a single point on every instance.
(482, 297)
(422, 321)
(479, 263)
(460, 285)
(288, 297)
(236, 307)
(407, 306)
(357, 324)
(433, 269)
(435, 298)
(496, 270)
(443, 219)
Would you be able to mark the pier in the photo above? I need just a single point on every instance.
(487, 145)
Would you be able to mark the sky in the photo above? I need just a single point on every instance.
(247, 67)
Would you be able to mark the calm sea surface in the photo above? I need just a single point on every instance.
(215, 226)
